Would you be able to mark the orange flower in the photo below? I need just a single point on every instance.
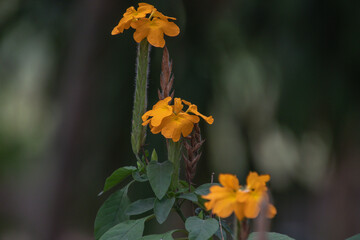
(223, 200)
(153, 28)
(256, 193)
(130, 15)
(171, 120)
(245, 202)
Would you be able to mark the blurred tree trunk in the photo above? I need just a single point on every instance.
(79, 78)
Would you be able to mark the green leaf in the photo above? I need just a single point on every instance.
(204, 189)
(154, 156)
(270, 236)
(162, 236)
(138, 177)
(131, 229)
(201, 214)
(117, 176)
(355, 237)
(162, 208)
(140, 206)
(159, 175)
(189, 196)
(201, 229)
(112, 212)
(184, 184)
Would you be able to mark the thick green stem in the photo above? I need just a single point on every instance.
(138, 133)
(179, 212)
(174, 155)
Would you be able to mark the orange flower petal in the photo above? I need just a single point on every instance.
(147, 115)
(156, 130)
(220, 193)
(229, 181)
(177, 105)
(115, 31)
(170, 29)
(252, 208)
(186, 102)
(163, 102)
(192, 118)
(124, 23)
(162, 16)
(146, 122)
(160, 110)
(187, 128)
(239, 211)
(160, 114)
(193, 109)
(242, 196)
(255, 181)
(172, 126)
(145, 8)
(141, 30)
(156, 37)
(271, 211)
(223, 208)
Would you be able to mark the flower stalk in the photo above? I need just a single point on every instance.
(174, 156)
(138, 133)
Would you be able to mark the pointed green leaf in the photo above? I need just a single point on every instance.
(112, 212)
(140, 206)
(162, 208)
(117, 176)
(159, 175)
(154, 156)
(201, 214)
(201, 229)
(162, 236)
(131, 229)
(204, 189)
(189, 196)
(270, 236)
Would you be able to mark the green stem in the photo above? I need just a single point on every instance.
(174, 156)
(179, 212)
(236, 228)
(138, 133)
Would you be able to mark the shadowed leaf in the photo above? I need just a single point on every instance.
(131, 229)
(140, 206)
(112, 212)
(162, 208)
(159, 175)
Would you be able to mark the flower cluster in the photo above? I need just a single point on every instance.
(171, 120)
(244, 201)
(152, 27)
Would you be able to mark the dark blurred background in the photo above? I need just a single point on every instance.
(280, 78)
